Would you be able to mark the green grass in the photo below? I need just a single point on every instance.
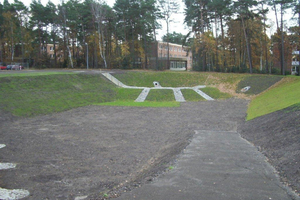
(123, 94)
(258, 83)
(37, 95)
(221, 78)
(161, 95)
(34, 74)
(191, 95)
(177, 79)
(215, 93)
(284, 95)
(44, 93)
(166, 79)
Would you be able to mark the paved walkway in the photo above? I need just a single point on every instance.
(216, 166)
(142, 97)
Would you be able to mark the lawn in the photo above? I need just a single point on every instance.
(258, 83)
(31, 94)
(166, 79)
(43, 94)
(34, 74)
(284, 95)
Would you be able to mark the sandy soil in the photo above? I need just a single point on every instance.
(93, 151)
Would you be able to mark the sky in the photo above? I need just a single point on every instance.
(178, 19)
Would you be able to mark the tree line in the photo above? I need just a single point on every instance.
(225, 35)
(232, 35)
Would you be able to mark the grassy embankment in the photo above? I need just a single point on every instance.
(176, 79)
(31, 94)
(285, 94)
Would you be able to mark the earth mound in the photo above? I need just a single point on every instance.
(277, 136)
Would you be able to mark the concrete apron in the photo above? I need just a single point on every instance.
(216, 165)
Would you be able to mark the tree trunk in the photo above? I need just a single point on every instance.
(217, 50)
(247, 45)
(223, 43)
(168, 45)
(101, 42)
(266, 47)
(156, 47)
(277, 24)
(282, 42)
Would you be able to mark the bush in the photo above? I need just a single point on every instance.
(275, 71)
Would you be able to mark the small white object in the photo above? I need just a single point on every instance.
(7, 166)
(6, 194)
(81, 198)
(245, 89)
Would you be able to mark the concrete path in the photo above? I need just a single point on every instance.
(216, 166)
(142, 97)
(205, 96)
(178, 95)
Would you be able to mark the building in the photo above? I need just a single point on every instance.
(295, 63)
(180, 57)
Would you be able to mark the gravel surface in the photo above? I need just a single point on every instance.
(96, 150)
(277, 135)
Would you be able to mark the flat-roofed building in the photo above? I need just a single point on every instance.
(180, 57)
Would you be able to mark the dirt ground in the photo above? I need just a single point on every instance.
(277, 135)
(97, 150)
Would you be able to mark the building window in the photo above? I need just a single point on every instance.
(177, 65)
(51, 48)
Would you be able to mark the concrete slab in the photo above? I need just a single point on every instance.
(216, 165)
(205, 96)
(142, 97)
(178, 95)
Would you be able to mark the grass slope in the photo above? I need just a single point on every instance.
(166, 79)
(285, 94)
(258, 83)
(29, 94)
(34, 74)
(35, 95)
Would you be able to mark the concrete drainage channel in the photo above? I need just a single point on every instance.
(7, 194)
(142, 97)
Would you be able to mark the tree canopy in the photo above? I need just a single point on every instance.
(225, 35)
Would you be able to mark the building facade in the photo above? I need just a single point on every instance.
(180, 57)
(296, 63)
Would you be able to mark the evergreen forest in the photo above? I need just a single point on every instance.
(225, 35)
